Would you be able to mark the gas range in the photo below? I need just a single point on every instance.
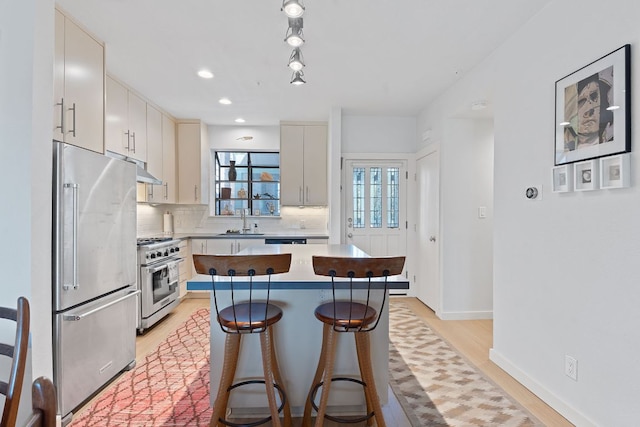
(157, 249)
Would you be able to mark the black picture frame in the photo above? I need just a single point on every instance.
(593, 109)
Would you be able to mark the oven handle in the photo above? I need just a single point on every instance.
(150, 269)
(75, 317)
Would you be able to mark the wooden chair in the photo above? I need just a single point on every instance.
(43, 397)
(351, 316)
(246, 317)
(17, 351)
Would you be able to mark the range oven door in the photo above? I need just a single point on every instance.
(159, 286)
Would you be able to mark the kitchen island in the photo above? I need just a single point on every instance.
(299, 334)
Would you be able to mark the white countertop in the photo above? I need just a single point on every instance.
(300, 275)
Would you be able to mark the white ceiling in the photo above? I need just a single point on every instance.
(368, 57)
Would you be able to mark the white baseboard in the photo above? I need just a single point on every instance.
(564, 409)
(465, 315)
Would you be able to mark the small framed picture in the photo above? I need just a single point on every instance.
(614, 171)
(256, 212)
(562, 178)
(586, 175)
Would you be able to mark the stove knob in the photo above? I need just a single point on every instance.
(177, 249)
(166, 253)
(172, 250)
(151, 256)
(158, 254)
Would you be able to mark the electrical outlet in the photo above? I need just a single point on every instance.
(571, 367)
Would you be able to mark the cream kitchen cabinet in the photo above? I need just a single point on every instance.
(161, 156)
(78, 115)
(193, 163)
(303, 164)
(185, 266)
(125, 122)
(224, 246)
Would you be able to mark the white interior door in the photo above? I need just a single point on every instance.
(376, 206)
(428, 259)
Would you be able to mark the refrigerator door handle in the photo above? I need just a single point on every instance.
(74, 317)
(74, 243)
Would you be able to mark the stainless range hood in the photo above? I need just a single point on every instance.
(141, 173)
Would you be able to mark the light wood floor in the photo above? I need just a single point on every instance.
(472, 338)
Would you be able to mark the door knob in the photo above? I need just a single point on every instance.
(350, 235)
(432, 238)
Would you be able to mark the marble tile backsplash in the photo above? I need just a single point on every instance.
(195, 219)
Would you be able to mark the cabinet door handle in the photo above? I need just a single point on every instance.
(300, 194)
(307, 193)
(166, 191)
(128, 146)
(134, 141)
(61, 127)
(231, 248)
(195, 192)
(150, 191)
(73, 131)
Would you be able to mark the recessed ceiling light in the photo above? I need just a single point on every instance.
(205, 74)
(225, 101)
(239, 120)
(479, 105)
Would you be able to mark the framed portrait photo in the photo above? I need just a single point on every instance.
(593, 110)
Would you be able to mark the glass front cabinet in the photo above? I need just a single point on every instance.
(247, 180)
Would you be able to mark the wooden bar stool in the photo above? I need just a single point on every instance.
(247, 317)
(357, 317)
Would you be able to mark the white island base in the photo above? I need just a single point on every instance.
(298, 338)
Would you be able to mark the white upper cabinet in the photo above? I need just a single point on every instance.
(126, 122)
(161, 156)
(78, 116)
(169, 177)
(193, 161)
(154, 154)
(303, 165)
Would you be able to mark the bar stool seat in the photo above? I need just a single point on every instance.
(248, 317)
(257, 315)
(349, 316)
(361, 314)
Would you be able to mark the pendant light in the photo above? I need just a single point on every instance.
(297, 78)
(296, 62)
(294, 36)
(293, 8)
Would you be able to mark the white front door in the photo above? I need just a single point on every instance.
(376, 206)
(428, 257)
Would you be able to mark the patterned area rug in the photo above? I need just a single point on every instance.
(436, 386)
(432, 382)
(170, 388)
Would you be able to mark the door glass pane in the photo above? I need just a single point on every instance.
(393, 188)
(375, 197)
(358, 197)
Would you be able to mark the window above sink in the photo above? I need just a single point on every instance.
(246, 180)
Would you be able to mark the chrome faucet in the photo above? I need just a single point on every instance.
(245, 227)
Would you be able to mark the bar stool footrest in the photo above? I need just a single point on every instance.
(283, 399)
(332, 417)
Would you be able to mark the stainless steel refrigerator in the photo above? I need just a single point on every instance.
(94, 272)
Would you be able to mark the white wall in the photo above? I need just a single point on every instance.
(26, 64)
(565, 275)
(372, 134)
(466, 178)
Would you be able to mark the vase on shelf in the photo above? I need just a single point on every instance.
(232, 170)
